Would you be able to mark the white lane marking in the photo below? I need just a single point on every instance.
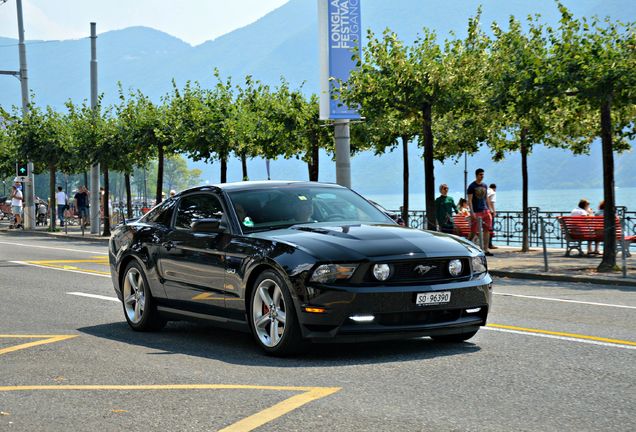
(592, 342)
(54, 248)
(60, 269)
(101, 297)
(564, 300)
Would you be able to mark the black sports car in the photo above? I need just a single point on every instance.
(296, 261)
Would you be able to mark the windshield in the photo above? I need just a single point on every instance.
(281, 207)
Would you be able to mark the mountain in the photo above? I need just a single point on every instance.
(284, 43)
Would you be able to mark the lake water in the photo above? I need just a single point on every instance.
(510, 200)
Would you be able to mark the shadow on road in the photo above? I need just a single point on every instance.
(239, 348)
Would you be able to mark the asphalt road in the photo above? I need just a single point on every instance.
(69, 362)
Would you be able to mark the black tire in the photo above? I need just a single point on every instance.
(288, 339)
(455, 338)
(139, 306)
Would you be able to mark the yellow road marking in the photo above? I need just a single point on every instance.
(570, 335)
(45, 339)
(250, 423)
(72, 261)
(60, 264)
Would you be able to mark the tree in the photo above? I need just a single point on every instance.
(43, 136)
(95, 134)
(522, 104)
(595, 64)
(425, 83)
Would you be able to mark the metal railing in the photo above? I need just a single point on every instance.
(508, 226)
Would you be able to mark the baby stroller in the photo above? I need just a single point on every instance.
(41, 213)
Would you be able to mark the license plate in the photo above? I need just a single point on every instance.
(431, 298)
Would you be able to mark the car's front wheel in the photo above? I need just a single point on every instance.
(139, 308)
(272, 316)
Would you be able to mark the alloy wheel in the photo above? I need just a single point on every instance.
(269, 313)
(134, 295)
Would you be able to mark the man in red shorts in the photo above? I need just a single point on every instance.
(480, 207)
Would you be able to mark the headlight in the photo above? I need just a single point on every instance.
(328, 273)
(455, 267)
(478, 264)
(381, 271)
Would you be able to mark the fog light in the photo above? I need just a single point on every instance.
(381, 271)
(455, 267)
(473, 310)
(362, 318)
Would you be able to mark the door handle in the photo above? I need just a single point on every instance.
(168, 245)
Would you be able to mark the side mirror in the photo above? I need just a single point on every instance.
(208, 226)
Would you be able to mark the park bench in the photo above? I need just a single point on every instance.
(577, 229)
(462, 225)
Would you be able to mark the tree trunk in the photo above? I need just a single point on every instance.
(85, 179)
(160, 151)
(313, 164)
(129, 211)
(525, 242)
(52, 203)
(244, 166)
(106, 232)
(405, 180)
(224, 169)
(609, 242)
(429, 167)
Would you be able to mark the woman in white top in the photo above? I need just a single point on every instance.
(584, 210)
(61, 200)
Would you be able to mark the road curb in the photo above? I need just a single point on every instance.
(60, 235)
(562, 278)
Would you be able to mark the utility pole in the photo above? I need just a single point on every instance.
(29, 198)
(95, 193)
(29, 187)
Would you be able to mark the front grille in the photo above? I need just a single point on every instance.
(432, 270)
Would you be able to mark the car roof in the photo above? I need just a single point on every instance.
(255, 185)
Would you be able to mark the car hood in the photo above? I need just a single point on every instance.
(335, 242)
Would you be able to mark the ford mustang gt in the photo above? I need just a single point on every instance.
(294, 262)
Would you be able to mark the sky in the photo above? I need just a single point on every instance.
(193, 21)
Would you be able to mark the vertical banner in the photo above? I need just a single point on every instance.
(340, 32)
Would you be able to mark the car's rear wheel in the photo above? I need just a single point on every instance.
(139, 308)
(273, 318)
(458, 337)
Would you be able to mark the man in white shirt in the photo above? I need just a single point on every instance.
(16, 206)
(62, 200)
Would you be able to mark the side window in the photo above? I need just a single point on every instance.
(162, 214)
(194, 207)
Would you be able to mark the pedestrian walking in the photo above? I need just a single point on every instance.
(81, 203)
(16, 206)
(62, 203)
(444, 208)
(480, 207)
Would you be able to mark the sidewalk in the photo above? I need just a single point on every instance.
(73, 232)
(507, 261)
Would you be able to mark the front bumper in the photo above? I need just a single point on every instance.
(395, 313)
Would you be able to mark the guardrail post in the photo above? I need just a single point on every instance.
(623, 255)
(545, 249)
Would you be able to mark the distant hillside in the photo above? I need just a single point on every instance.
(284, 43)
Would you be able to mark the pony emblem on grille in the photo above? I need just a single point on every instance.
(423, 269)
